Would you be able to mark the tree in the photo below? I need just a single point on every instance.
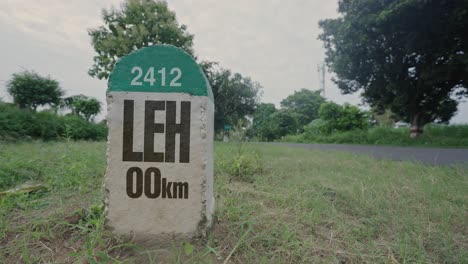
(235, 96)
(284, 122)
(262, 125)
(408, 56)
(341, 118)
(138, 24)
(270, 124)
(384, 118)
(30, 90)
(305, 103)
(83, 106)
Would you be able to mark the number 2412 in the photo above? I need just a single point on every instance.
(149, 76)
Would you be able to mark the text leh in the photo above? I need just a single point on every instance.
(139, 182)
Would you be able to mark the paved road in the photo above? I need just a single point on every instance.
(433, 156)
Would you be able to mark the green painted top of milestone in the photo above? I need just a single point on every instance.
(159, 69)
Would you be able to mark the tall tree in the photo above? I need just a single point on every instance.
(270, 124)
(235, 96)
(30, 90)
(305, 103)
(84, 106)
(262, 125)
(284, 122)
(138, 24)
(409, 56)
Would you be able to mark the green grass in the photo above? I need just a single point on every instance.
(433, 136)
(302, 206)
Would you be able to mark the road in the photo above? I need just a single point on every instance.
(433, 156)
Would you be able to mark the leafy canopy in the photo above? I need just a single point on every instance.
(305, 103)
(284, 122)
(409, 56)
(83, 106)
(30, 90)
(270, 124)
(138, 24)
(341, 118)
(263, 125)
(235, 96)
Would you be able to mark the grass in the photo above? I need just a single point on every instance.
(433, 136)
(303, 206)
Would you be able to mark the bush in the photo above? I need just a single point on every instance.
(78, 128)
(342, 118)
(241, 163)
(243, 167)
(316, 127)
(18, 124)
(434, 135)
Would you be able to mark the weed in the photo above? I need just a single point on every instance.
(302, 206)
(241, 163)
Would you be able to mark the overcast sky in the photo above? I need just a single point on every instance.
(274, 42)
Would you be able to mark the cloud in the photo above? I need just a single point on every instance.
(54, 23)
(274, 42)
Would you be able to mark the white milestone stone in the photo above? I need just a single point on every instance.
(160, 218)
(159, 179)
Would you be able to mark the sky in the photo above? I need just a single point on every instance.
(272, 41)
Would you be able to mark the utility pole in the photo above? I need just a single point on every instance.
(321, 77)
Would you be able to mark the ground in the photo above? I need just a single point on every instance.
(274, 205)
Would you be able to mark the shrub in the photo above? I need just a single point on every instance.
(434, 135)
(242, 163)
(243, 167)
(342, 118)
(18, 124)
(78, 128)
(316, 127)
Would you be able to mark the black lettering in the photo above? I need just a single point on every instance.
(130, 182)
(127, 153)
(180, 188)
(150, 129)
(183, 129)
(166, 189)
(157, 182)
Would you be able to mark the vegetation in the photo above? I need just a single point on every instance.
(21, 121)
(17, 124)
(235, 96)
(434, 136)
(408, 56)
(305, 103)
(263, 126)
(141, 23)
(84, 106)
(347, 124)
(304, 207)
(298, 109)
(274, 204)
(30, 90)
(334, 118)
(138, 24)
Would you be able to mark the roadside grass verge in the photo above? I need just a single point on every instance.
(302, 206)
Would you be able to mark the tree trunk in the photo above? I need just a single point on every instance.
(417, 125)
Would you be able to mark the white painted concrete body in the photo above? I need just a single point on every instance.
(157, 220)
